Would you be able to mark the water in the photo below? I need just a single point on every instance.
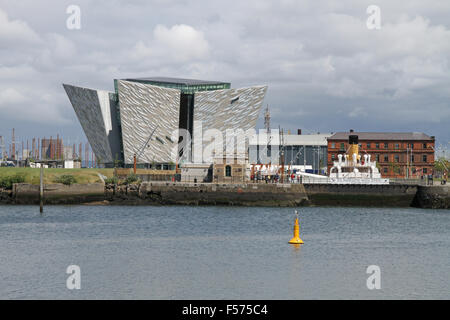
(223, 253)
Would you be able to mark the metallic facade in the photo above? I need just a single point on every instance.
(227, 109)
(144, 108)
(96, 111)
(145, 118)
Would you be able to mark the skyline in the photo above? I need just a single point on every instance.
(325, 70)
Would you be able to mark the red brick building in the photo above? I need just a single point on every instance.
(398, 155)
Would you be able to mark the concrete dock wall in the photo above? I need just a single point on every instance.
(433, 197)
(361, 195)
(169, 193)
(58, 193)
(209, 194)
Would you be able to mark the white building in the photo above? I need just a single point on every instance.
(304, 152)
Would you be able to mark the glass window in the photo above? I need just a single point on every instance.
(386, 158)
(368, 145)
(377, 145)
(385, 170)
(397, 158)
(397, 146)
(386, 145)
(377, 157)
(424, 145)
(228, 171)
(333, 145)
(424, 158)
(424, 170)
(342, 146)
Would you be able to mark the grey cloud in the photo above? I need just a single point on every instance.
(325, 70)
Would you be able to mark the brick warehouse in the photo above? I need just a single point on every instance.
(398, 155)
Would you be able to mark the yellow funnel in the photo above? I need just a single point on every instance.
(296, 239)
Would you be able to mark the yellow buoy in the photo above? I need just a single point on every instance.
(296, 239)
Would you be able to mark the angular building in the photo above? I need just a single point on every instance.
(157, 119)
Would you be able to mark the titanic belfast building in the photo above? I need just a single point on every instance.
(142, 116)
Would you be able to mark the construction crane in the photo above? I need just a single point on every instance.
(141, 150)
(267, 120)
(2, 147)
(13, 141)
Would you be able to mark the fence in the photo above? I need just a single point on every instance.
(287, 180)
(420, 182)
(156, 177)
(324, 180)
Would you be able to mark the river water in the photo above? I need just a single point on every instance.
(178, 252)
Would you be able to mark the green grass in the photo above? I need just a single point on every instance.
(83, 176)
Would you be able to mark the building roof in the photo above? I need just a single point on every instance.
(179, 81)
(188, 86)
(294, 139)
(306, 139)
(382, 136)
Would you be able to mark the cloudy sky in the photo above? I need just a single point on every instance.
(326, 71)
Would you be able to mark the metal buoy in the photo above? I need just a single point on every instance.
(296, 239)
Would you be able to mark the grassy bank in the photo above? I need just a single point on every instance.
(82, 176)
(31, 175)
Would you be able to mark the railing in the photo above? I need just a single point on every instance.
(179, 178)
(328, 180)
(421, 182)
(190, 179)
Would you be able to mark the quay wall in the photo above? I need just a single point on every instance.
(433, 197)
(170, 193)
(363, 195)
(58, 193)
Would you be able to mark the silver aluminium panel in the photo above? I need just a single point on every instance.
(227, 109)
(94, 110)
(144, 108)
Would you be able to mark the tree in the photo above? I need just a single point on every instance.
(441, 165)
(394, 167)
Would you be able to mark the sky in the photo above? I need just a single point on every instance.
(326, 71)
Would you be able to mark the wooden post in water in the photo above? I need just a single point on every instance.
(41, 189)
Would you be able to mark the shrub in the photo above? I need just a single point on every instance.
(112, 180)
(8, 181)
(131, 178)
(66, 179)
